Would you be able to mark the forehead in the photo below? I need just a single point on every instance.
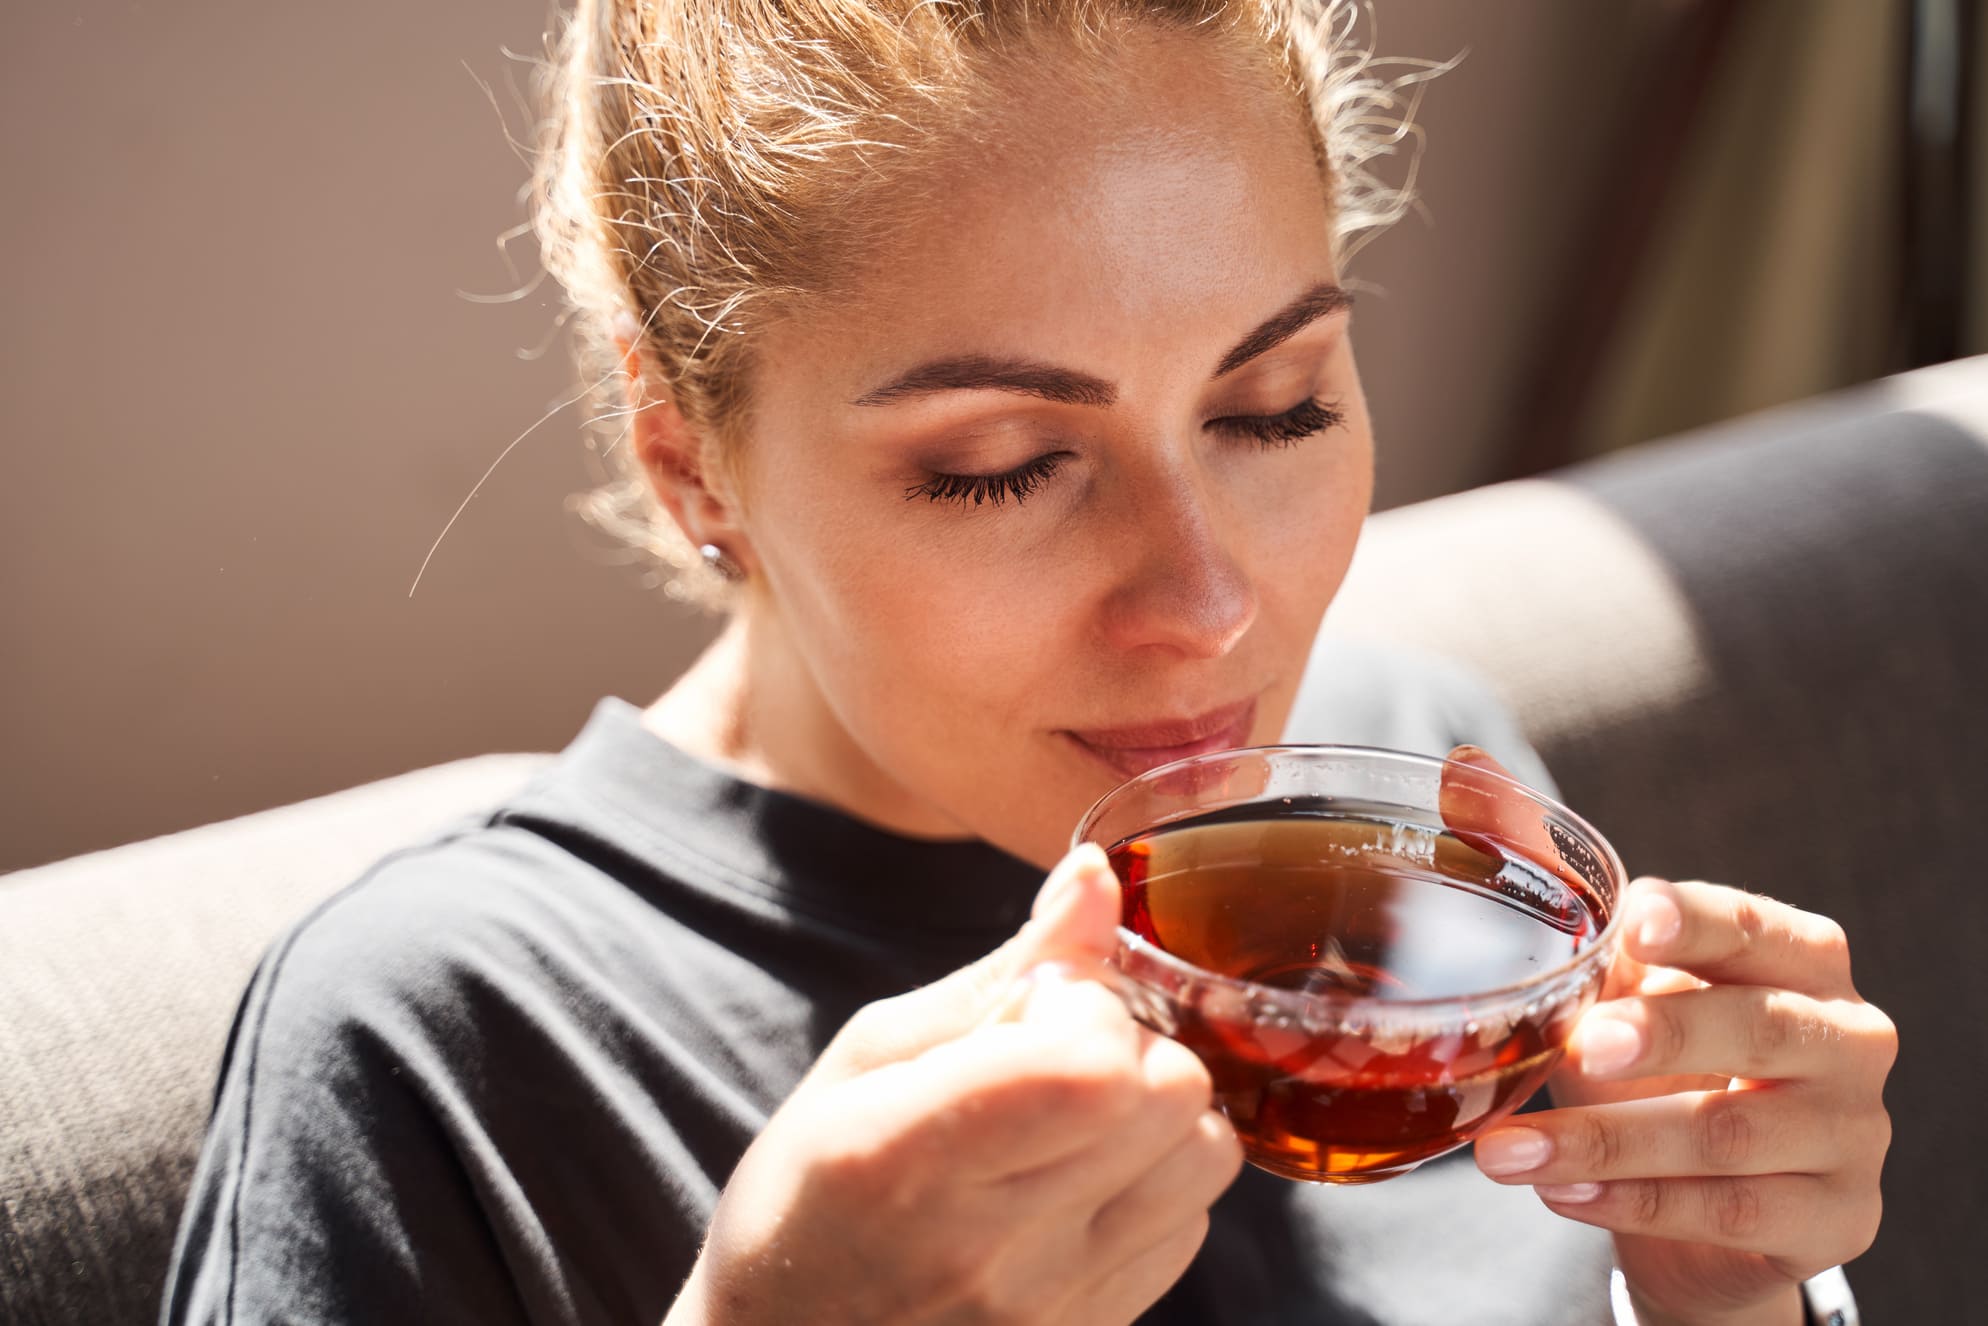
(1172, 188)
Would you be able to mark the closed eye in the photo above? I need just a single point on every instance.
(1282, 430)
(1302, 420)
(992, 489)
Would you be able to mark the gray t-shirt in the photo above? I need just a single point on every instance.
(503, 1076)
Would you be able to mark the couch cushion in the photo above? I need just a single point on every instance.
(119, 974)
(1760, 655)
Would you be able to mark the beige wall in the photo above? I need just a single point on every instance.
(241, 395)
(1517, 136)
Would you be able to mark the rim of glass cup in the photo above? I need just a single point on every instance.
(1297, 1002)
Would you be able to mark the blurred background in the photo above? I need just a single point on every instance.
(250, 370)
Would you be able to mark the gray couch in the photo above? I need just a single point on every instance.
(1758, 654)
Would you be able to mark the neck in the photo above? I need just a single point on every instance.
(750, 705)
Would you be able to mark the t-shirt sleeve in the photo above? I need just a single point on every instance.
(332, 1187)
(486, 1084)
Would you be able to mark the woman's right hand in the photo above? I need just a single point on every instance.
(1005, 1145)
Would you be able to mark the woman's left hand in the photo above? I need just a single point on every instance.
(1723, 1111)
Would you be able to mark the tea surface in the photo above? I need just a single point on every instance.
(1358, 907)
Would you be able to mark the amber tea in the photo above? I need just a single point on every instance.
(1382, 919)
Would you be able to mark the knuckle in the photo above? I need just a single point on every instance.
(1863, 1231)
(1094, 1005)
(1186, 1238)
(963, 1279)
(1177, 1073)
(1861, 1143)
(1734, 1209)
(1224, 1148)
(1749, 923)
(1727, 1136)
(1600, 1143)
(869, 1025)
(982, 981)
(860, 1166)
(1880, 1140)
(1092, 1095)
(1665, 1028)
(1646, 1203)
(1089, 1075)
(995, 1305)
(1769, 1028)
(1883, 1036)
(1832, 943)
(865, 1020)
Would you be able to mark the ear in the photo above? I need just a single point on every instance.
(676, 457)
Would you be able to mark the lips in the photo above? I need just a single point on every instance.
(1131, 751)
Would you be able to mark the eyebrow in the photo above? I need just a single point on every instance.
(1068, 386)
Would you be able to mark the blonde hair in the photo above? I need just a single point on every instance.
(704, 163)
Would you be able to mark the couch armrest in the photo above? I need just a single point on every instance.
(119, 975)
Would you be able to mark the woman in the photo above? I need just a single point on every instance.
(997, 358)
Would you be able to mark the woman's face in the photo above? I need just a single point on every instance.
(1063, 490)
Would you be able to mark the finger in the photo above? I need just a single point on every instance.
(1798, 1217)
(1125, 1291)
(1488, 808)
(1075, 921)
(1186, 1180)
(1174, 1100)
(1729, 936)
(1691, 1133)
(1743, 1031)
(1015, 1096)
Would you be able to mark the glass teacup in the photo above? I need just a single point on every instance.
(1377, 955)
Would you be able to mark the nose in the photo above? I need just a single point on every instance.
(1181, 588)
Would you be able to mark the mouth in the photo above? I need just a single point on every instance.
(1131, 751)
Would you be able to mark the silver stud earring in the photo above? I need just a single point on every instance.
(719, 561)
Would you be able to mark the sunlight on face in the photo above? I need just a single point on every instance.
(1081, 464)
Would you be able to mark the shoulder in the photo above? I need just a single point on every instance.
(423, 948)
(350, 1080)
(415, 912)
(425, 1031)
(1365, 693)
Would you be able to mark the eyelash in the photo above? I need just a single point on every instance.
(1269, 431)
(994, 489)
(1282, 430)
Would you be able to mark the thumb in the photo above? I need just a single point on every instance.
(1074, 919)
(1074, 922)
(1486, 807)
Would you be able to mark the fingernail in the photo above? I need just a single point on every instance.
(1607, 1045)
(1061, 888)
(1568, 1194)
(1657, 920)
(1513, 1150)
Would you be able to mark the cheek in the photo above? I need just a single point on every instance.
(906, 623)
(1305, 513)
(974, 642)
